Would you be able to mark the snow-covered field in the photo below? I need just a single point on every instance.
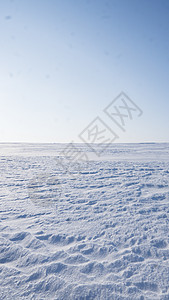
(87, 230)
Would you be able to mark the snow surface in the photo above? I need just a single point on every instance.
(85, 230)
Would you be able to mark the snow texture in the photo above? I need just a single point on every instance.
(84, 230)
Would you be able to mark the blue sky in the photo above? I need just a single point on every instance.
(62, 62)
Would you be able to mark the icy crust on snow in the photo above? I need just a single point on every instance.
(99, 231)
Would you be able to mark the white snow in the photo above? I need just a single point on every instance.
(86, 230)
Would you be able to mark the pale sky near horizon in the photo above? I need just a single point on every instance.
(62, 62)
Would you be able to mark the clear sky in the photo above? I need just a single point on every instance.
(63, 61)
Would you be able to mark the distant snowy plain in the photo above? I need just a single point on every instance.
(84, 230)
